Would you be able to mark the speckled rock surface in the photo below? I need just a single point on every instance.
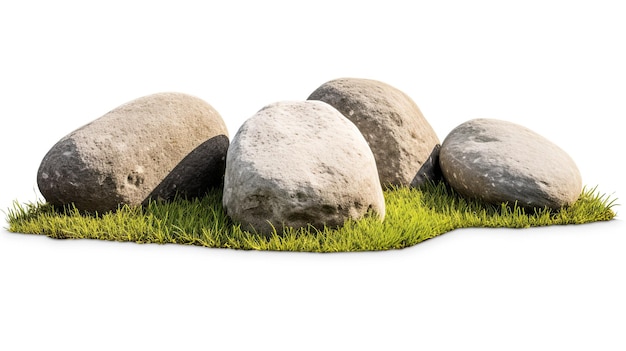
(499, 161)
(393, 125)
(150, 147)
(300, 163)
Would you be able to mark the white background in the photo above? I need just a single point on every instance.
(557, 67)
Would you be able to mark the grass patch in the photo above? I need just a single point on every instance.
(412, 216)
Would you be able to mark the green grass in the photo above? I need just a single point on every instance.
(412, 217)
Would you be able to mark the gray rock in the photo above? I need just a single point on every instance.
(498, 161)
(151, 147)
(397, 132)
(297, 164)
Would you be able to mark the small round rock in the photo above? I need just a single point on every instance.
(499, 161)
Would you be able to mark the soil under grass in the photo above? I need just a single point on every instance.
(412, 216)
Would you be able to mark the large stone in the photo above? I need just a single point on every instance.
(498, 161)
(297, 164)
(397, 132)
(151, 147)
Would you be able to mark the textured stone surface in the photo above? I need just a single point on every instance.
(299, 163)
(397, 132)
(499, 161)
(153, 146)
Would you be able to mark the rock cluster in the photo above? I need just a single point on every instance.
(316, 162)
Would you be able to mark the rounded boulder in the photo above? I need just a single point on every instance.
(153, 147)
(499, 161)
(400, 137)
(300, 163)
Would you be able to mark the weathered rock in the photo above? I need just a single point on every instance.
(297, 164)
(151, 147)
(498, 161)
(397, 132)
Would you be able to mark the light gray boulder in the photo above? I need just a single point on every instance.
(151, 147)
(300, 163)
(393, 125)
(498, 161)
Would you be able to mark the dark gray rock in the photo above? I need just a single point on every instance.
(498, 161)
(430, 170)
(397, 132)
(202, 169)
(151, 147)
(297, 164)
